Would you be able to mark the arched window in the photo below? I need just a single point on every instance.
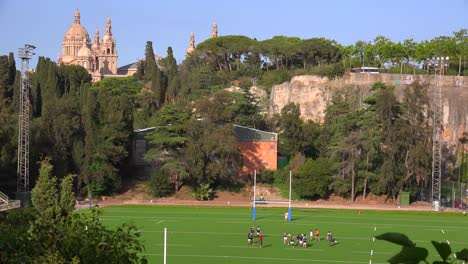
(84, 64)
(108, 51)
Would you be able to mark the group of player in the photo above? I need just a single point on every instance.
(301, 239)
(251, 236)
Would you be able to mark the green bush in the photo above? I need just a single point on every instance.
(332, 71)
(270, 78)
(203, 192)
(160, 184)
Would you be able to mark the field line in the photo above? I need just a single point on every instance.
(273, 235)
(260, 258)
(306, 249)
(328, 222)
(251, 246)
(375, 252)
(173, 245)
(301, 215)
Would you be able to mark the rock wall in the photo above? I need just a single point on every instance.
(314, 93)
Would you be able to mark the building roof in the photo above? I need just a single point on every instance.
(247, 134)
(133, 65)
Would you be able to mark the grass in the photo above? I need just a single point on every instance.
(219, 234)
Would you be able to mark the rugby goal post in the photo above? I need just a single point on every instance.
(255, 201)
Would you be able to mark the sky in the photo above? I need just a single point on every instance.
(43, 23)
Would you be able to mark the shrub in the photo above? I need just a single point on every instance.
(160, 184)
(203, 192)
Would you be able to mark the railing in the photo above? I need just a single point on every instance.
(11, 205)
(3, 198)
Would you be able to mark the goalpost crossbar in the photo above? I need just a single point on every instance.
(263, 201)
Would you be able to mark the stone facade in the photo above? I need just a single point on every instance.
(100, 58)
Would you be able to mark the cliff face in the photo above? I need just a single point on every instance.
(314, 93)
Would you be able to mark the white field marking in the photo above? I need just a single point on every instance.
(376, 252)
(160, 221)
(372, 252)
(307, 249)
(375, 228)
(448, 242)
(238, 246)
(173, 245)
(259, 258)
(304, 223)
(443, 231)
(269, 234)
(302, 215)
(373, 239)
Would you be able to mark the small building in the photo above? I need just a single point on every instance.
(259, 149)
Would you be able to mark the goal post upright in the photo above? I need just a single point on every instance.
(165, 244)
(263, 201)
(254, 208)
(289, 204)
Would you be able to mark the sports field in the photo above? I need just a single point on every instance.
(208, 235)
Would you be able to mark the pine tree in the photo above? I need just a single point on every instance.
(67, 196)
(43, 194)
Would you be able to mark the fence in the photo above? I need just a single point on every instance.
(454, 195)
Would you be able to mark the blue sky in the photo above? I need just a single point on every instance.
(169, 23)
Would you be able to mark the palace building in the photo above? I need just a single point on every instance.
(99, 57)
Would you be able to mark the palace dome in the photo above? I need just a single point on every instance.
(85, 52)
(76, 33)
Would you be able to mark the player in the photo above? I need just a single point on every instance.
(252, 229)
(286, 216)
(311, 234)
(285, 238)
(299, 239)
(317, 234)
(260, 240)
(249, 239)
(291, 241)
(304, 241)
(330, 238)
(258, 230)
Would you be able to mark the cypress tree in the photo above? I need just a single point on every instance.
(150, 61)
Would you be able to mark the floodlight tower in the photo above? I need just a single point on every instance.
(437, 138)
(25, 55)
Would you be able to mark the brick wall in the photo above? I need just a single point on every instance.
(257, 155)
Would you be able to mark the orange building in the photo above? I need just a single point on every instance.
(259, 149)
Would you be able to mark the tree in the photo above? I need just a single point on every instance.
(292, 134)
(43, 194)
(67, 196)
(313, 178)
(208, 161)
(160, 183)
(461, 49)
(172, 73)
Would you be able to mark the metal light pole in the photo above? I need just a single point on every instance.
(22, 187)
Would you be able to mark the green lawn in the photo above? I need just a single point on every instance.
(208, 235)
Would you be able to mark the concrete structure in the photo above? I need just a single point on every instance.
(7, 204)
(100, 58)
(259, 149)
